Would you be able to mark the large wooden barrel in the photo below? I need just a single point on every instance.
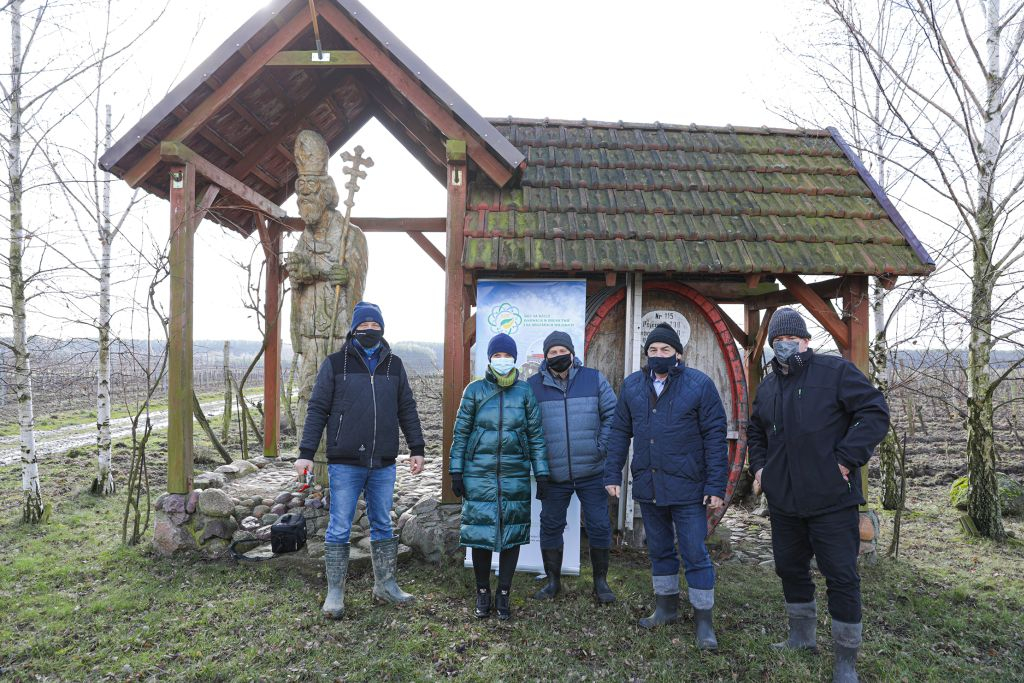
(710, 349)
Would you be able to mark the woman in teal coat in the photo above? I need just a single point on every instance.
(498, 438)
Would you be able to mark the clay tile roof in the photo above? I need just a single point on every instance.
(686, 199)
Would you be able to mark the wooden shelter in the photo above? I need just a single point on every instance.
(728, 213)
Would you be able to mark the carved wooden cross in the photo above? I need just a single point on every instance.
(355, 174)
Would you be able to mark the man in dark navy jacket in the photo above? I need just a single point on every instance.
(362, 396)
(677, 422)
(815, 421)
(577, 405)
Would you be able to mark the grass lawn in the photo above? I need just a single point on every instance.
(75, 605)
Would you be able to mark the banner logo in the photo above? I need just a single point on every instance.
(504, 318)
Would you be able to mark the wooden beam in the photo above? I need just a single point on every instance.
(182, 197)
(295, 117)
(856, 313)
(819, 308)
(826, 289)
(469, 334)
(178, 152)
(428, 246)
(753, 280)
(610, 278)
(425, 144)
(415, 93)
(737, 332)
(210, 195)
(752, 356)
(219, 97)
(377, 224)
(455, 356)
(305, 58)
(270, 238)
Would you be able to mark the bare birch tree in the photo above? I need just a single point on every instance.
(954, 114)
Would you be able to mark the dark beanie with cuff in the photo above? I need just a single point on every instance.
(365, 312)
(558, 338)
(502, 343)
(787, 322)
(665, 334)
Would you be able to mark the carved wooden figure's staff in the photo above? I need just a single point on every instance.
(355, 175)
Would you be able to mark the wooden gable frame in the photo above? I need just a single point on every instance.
(218, 146)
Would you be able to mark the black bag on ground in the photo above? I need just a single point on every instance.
(287, 535)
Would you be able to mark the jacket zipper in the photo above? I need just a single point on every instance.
(568, 441)
(501, 418)
(373, 395)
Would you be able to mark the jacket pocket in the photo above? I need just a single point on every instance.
(474, 440)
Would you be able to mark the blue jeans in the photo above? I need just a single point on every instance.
(347, 482)
(691, 526)
(594, 503)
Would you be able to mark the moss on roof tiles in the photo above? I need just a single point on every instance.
(681, 199)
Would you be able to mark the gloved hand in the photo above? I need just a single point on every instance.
(542, 488)
(457, 488)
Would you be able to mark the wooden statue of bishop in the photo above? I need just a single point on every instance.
(327, 268)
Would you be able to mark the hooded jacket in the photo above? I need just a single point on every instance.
(362, 411)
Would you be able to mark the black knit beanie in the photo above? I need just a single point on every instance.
(787, 322)
(558, 338)
(666, 335)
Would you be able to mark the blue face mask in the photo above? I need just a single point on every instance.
(784, 350)
(502, 366)
(660, 365)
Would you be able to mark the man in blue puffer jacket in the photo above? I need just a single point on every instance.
(577, 405)
(680, 466)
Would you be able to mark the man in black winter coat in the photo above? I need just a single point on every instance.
(815, 421)
(361, 398)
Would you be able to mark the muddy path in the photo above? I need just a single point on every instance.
(75, 436)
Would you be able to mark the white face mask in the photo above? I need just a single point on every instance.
(502, 366)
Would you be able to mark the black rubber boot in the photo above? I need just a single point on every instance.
(599, 559)
(846, 639)
(803, 627)
(705, 630)
(503, 604)
(666, 611)
(483, 603)
(553, 569)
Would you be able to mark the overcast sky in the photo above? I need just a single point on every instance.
(668, 61)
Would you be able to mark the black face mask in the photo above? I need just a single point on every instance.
(660, 365)
(368, 338)
(560, 363)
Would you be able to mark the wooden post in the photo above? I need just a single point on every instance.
(455, 355)
(271, 239)
(179, 333)
(855, 312)
(752, 357)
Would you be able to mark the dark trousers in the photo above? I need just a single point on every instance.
(834, 539)
(687, 524)
(594, 504)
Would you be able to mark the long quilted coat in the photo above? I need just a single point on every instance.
(498, 438)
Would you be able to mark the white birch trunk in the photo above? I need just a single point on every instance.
(983, 500)
(33, 505)
(104, 483)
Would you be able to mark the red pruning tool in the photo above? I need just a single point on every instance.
(307, 477)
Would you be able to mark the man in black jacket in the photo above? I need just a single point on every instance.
(362, 397)
(815, 421)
